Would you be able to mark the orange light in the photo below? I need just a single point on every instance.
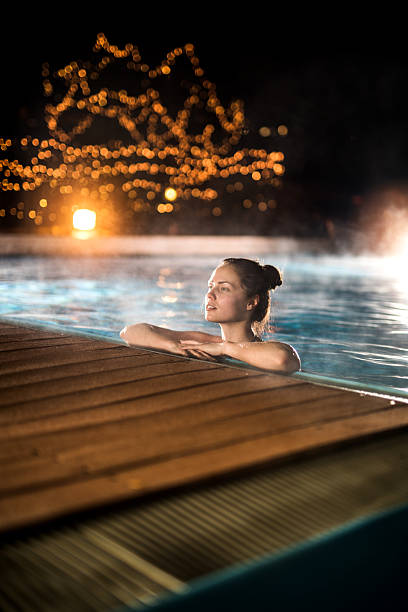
(278, 168)
(170, 194)
(264, 131)
(84, 219)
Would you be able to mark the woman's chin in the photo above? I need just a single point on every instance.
(210, 316)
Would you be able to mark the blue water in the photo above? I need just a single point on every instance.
(346, 316)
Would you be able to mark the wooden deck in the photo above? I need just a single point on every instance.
(86, 422)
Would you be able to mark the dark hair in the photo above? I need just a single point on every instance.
(259, 280)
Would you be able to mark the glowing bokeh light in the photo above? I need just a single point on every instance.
(265, 131)
(170, 194)
(84, 219)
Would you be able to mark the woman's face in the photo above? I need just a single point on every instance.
(226, 300)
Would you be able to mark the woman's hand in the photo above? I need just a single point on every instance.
(207, 350)
(174, 346)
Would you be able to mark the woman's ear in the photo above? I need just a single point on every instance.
(254, 301)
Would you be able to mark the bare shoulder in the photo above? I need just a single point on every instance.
(289, 355)
(282, 346)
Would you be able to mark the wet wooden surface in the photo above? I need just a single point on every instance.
(86, 422)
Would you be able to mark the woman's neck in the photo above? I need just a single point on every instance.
(237, 332)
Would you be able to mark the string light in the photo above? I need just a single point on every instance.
(170, 194)
(282, 130)
(164, 155)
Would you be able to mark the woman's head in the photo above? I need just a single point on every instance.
(257, 281)
(226, 299)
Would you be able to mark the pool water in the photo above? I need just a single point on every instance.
(346, 316)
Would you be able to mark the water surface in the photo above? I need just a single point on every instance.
(346, 316)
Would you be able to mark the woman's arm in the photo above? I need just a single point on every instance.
(152, 336)
(275, 356)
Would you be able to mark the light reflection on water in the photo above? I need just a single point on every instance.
(347, 317)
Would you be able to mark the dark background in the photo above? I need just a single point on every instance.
(341, 88)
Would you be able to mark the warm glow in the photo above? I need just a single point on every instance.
(84, 219)
(395, 264)
(400, 264)
(264, 131)
(170, 194)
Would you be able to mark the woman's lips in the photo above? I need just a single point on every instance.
(210, 307)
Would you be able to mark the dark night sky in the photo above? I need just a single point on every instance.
(343, 94)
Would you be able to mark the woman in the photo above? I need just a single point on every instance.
(238, 300)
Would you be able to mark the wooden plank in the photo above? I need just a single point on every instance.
(33, 353)
(177, 411)
(87, 380)
(62, 356)
(21, 336)
(14, 331)
(222, 400)
(47, 372)
(90, 408)
(29, 343)
(150, 438)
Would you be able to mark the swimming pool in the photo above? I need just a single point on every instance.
(346, 316)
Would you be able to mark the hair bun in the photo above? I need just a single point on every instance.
(272, 276)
